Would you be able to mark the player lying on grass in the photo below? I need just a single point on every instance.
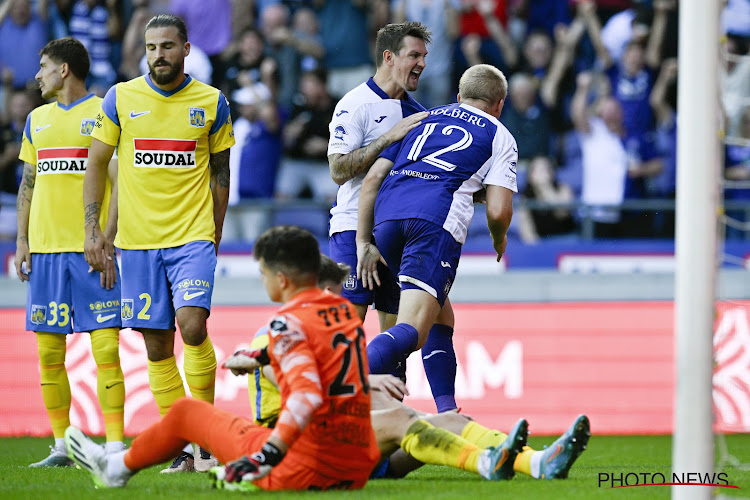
(403, 434)
(323, 438)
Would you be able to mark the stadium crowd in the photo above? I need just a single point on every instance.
(592, 94)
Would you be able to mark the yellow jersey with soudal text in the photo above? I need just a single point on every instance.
(164, 141)
(56, 141)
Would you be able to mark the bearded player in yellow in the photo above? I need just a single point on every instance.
(173, 136)
(63, 296)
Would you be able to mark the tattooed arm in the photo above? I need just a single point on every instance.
(345, 167)
(97, 248)
(23, 207)
(218, 165)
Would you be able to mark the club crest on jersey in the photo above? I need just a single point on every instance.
(197, 117)
(38, 314)
(351, 282)
(127, 309)
(87, 126)
(164, 153)
(339, 132)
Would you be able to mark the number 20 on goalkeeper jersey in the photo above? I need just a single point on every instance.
(164, 141)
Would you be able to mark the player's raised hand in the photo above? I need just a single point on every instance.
(244, 361)
(23, 256)
(404, 126)
(368, 257)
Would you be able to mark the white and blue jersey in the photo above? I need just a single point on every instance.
(439, 166)
(361, 116)
(426, 202)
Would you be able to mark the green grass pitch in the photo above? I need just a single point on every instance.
(610, 454)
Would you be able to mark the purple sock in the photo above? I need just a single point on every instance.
(439, 360)
(388, 348)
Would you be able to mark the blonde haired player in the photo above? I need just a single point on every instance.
(63, 296)
(173, 135)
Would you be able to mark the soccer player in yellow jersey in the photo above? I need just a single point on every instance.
(63, 296)
(173, 136)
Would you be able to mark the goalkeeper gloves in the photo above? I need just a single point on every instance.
(245, 361)
(256, 466)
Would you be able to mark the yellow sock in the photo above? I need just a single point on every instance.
(110, 382)
(166, 383)
(484, 437)
(55, 385)
(200, 370)
(523, 461)
(435, 446)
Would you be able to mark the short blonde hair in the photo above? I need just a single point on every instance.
(483, 82)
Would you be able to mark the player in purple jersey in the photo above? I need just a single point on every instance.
(418, 196)
(367, 120)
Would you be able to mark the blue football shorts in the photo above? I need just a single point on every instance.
(421, 253)
(342, 247)
(155, 283)
(63, 297)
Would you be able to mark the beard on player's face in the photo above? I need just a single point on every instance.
(162, 78)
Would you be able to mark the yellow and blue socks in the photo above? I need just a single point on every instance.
(55, 385)
(200, 370)
(166, 383)
(483, 437)
(439, 360)
(432, 445)
(110, 382)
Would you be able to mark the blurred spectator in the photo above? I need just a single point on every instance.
(94, 23)
(543, 15)
(243, 68)
(735, 18)
(344, 30)
(605, 162)
(209, 25)
(133, 44)
(664, 103)
(22, 35)
(735, 80)
(21, 102)
(632, 77)
(440, 18)
(305, 166)
(289, 46)
(253, 162)
(526, 117)
(483, 36)
(307, 40)
(542, 186)
(737, 168)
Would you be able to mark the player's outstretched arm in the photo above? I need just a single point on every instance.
(97, 248)
(499, 214)
(23, 209)
(345, 167)
(368, 255)
(218, 164)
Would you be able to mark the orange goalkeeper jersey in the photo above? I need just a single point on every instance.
(318, 353)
